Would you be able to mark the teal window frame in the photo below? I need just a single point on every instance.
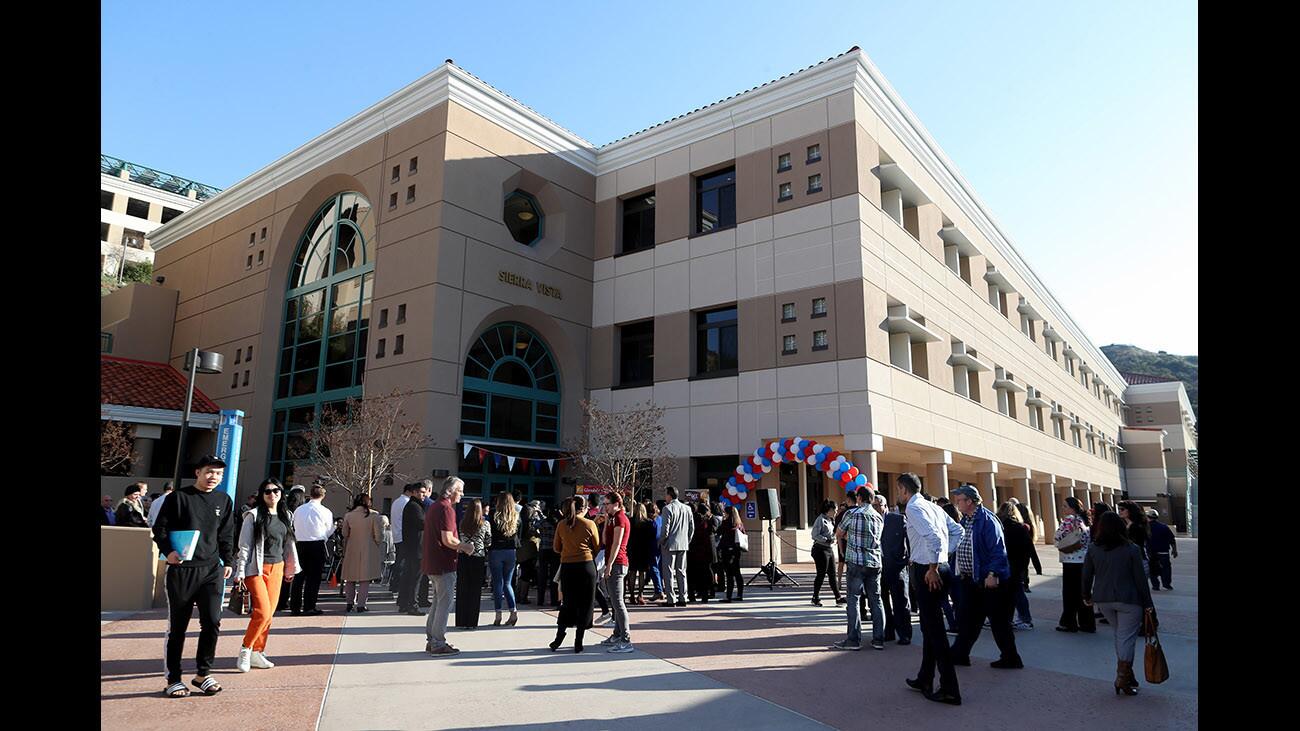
(539, 365)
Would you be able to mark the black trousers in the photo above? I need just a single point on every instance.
(548, 562)
(1161, 570)
(731, 567)
(825, 566)
(469, 589)
(978, 602)
(1074, 615)
(408, 557)
(935, 650)
(893, 594)
(699, 578)
(187, 586)
(306, 585)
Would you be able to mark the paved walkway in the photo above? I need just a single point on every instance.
(760, 664)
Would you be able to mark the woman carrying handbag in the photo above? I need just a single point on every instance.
(1113, 579)
(734, 541)
(1072, 541)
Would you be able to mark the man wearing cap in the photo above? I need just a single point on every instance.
(201, 579)
(1159, 546)
(986, 587)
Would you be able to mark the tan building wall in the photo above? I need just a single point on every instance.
(128, 563)
(139, 318)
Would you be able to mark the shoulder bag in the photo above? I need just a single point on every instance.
(239, 599)
(1071, 541)
(1157, 670)
(742, 540)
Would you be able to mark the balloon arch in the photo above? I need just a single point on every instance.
(794, 449)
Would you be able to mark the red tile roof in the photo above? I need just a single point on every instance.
(126, 382)
(1136, 379)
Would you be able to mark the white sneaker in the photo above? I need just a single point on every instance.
(604, 619)
(621, 647)
(1023, 625)
(244, 659)
(259, 661)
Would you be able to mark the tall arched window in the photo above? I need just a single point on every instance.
(326, 318)
(511, 402)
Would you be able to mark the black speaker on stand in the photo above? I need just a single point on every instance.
(769, 509)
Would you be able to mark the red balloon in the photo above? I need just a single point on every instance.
(853, 472)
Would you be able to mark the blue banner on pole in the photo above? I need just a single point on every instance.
(230, 433)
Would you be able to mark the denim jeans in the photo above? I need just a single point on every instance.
(442, 589)
(614, 589)
(1022, 603)
(501, 563)
(860, 578)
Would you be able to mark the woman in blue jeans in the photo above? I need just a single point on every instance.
(501, 555)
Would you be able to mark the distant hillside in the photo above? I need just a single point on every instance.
(1136, 360)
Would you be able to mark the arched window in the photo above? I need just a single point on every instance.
(326, 320)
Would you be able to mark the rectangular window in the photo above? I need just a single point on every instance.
(815, 183)
(397, 173)
(103, 232)
(401, 314)
(252, 237)
(814, 153)
(249, 264)
(415, 166)
(133, 239)
(136, 207)
(715, 201)
(249, 358)
(264, 233)
(398, 344)
(636, 347)
(820, 341)
(784, 192)
(639, 222)
(783, 162)
(379, 351)
(789, 345)
(239, 353)
(383, 318)
(106, 200)
(716, 344)
(169, 213)
(234, 382)
(819, 307)
(392, 201)
(260, 256)
(246, 378)
(410, 193)
(787, 312)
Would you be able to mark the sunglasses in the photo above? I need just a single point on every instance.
(270, 490)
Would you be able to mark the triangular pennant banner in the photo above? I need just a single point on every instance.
(496, 458)
(468, 447)
(482, 454)
(550, 465)
(525, 463)
(511, 462)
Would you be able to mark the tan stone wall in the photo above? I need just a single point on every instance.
(128, 560)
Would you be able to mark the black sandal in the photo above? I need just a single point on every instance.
(209, 686)
(177, 690)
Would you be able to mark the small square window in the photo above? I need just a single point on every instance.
(819, 307)
(788, 345)
(245, 378)
(815, 183)
(410, 193)
(379, 350)
(784, 192)
(783, 163)
(820, 341)
(239, 353)
(234, 382)
(264, 233)
(401, 314)
(383, 317)
(397, 173)
(252, 237)
(415, 165)
(398, 343)
(249, 358)
(392, 201)
(137, 208)
(249, 265)
(260, 256)
(814, 153)
(787, 312)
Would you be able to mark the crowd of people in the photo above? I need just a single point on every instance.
(956, 563)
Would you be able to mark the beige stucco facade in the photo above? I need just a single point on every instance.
(891, 225)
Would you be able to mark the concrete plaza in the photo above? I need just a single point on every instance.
(757, 665)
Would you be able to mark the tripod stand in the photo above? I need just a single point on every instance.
(770, 569)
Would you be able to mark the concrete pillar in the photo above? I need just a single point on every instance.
(936, 472)
(868, 463)
(803, 495)
(1047, 505)
(988, 489)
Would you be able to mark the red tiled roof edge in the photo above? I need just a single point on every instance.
(1137, 379)
(114, 389)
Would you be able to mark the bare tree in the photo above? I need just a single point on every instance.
(116, 447)
(625, 452)
(359, 445)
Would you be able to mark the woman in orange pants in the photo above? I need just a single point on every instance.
(268, 559)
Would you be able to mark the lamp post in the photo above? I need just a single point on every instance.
(196, 361)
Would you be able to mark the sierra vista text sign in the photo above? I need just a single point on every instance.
(518, 280)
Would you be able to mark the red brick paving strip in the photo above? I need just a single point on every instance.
(287, 697)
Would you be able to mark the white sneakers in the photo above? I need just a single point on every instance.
(243, 661)
(259, 661)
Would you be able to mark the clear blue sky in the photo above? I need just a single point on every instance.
(1075, 122)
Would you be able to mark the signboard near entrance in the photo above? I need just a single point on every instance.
(692, 496)
(591, 490)
(751, 509)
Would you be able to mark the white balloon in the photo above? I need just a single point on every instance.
(812, 459)
(767, 468)
(731, 490)
(776, 457)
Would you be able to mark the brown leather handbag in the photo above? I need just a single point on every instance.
(240, 602)
(1157, 670)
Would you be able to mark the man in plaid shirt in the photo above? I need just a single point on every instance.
(861, 528)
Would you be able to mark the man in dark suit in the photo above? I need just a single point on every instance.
(894, 557)
(412, 541)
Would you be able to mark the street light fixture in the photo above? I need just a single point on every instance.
(196, 361)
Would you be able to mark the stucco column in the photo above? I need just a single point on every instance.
(936, 472)
(140, 467)
(868, 463)
(1047, 504)
(803, 494)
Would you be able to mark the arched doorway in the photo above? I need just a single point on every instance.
(510, 405)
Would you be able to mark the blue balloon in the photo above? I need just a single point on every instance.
(861, 480)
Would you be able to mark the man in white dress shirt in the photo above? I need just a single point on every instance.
(927, 534)
(313, 524)
(156, 506)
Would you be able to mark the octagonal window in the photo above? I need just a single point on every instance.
(523, 216)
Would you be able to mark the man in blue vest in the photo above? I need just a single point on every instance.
(986, 587)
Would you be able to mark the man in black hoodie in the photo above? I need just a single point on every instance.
(201, 579)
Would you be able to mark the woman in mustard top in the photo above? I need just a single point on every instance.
(577, 541)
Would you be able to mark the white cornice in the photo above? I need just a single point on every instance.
(447, 82)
